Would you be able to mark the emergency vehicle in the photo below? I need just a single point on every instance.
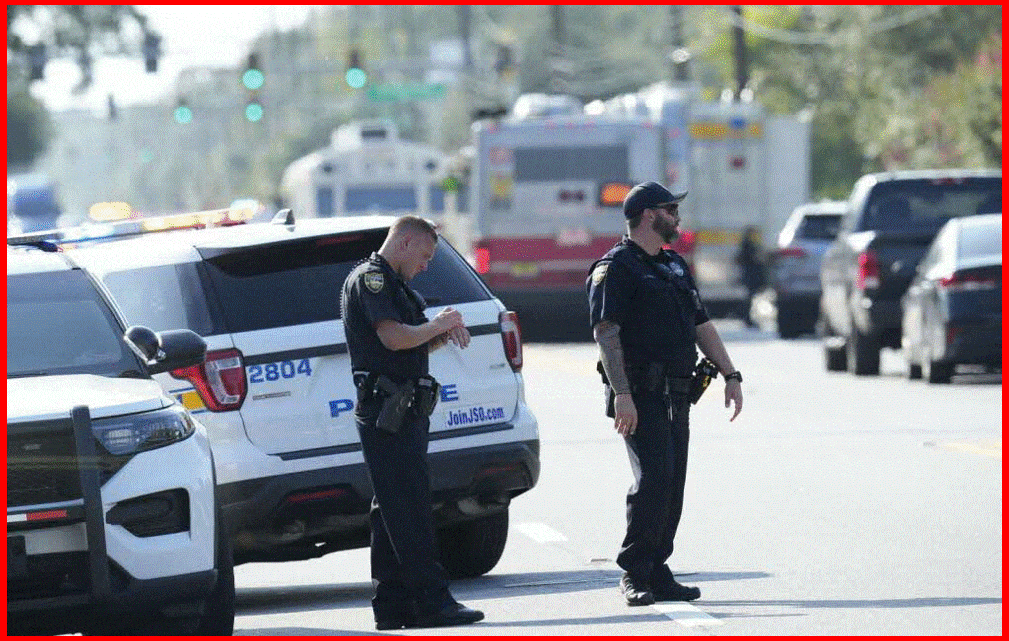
(367, 169)
(547, 200)
(741, 166)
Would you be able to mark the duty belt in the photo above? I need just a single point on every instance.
(654, 377)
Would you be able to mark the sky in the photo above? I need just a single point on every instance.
(192, 35)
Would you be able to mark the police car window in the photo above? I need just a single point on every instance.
(57, 323)
(288, 284)
(163, 297)
(449, 280)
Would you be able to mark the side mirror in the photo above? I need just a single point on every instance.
(167, 350)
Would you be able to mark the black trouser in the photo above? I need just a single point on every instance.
(658, 454)
(404, 557)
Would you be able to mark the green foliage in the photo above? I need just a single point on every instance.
(29, 130)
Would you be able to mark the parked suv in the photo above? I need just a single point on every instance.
(795, 264)
(891, 220)
(277, 395)
(112, 524)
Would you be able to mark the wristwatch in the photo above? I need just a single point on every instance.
(733, 376)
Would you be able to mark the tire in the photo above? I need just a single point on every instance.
(937, 372)
(788, 327)
(863, 354)
(914, 371)
(473, 548)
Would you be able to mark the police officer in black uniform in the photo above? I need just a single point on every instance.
(389, 337)
(648, 320)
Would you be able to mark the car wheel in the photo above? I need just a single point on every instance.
(937, 371)
(863, 353)
(472, 548)
(913, 371)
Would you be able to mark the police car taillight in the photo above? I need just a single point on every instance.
(511, 336)
(219, 380)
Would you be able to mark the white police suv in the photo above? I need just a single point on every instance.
(112, 524)
(277, 395)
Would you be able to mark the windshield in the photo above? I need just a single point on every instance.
(57, 323)
(925, 205)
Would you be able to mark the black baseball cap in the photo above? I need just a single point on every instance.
(649, 195)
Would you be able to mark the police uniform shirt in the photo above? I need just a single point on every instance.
(374, 292)
(655, 302)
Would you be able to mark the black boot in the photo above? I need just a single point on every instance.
(636, 591)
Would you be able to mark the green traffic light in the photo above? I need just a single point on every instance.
(253, 79)
(254, 112)
(356, 78)
(183, 115)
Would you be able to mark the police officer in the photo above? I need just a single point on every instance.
(648, 320)
(389, 337)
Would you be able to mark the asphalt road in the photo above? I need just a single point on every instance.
(833, 505)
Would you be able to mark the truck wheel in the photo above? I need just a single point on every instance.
(863, 354)
(788, 327)
(472, 548)
(914, 371)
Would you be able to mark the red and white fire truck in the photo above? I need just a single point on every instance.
(546, 201)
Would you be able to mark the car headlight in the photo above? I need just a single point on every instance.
(146, 431)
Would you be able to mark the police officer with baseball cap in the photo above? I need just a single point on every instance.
(389, 337)
(648, 320)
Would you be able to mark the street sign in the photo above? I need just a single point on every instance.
(395, 92)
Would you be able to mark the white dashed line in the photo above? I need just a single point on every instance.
(685, 614)
(541, 533)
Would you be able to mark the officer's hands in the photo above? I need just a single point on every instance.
(447, 319)
(459, 336)
(626, 415)
(734, 393)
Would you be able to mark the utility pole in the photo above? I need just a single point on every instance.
(465, 29)
(558, 62)
(738, 37)
(679, 55)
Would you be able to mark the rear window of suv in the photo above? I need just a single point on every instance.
(819, 227)
(299, 282)
(921, 205)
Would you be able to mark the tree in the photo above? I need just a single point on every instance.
(29, 129)
(76, 31)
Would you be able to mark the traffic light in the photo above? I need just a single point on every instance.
(36, 62)
(356, 76)
(254, 110)
(183, 114)
(253, 78)
(152, 51)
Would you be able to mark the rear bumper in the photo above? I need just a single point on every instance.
(331, 505)
(975, 344)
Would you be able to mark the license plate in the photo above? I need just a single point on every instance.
(17, 558)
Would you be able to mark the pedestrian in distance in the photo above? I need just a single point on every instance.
(648, 319)
(750, 259)
(389, 338)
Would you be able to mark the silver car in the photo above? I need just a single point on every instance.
(795, 264)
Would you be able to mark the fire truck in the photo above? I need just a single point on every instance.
(546, 192)
(546, 201)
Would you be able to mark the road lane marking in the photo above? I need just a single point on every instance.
(686, 614)
(541, 533)
(975, 449)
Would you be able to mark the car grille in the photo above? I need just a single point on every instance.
(42, 463)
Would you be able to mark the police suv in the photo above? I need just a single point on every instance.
(276, 391)
(112, 524)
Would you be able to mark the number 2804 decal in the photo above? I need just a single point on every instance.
(277, 371)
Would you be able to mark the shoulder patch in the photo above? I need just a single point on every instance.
(599, 273)
(374, 281)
